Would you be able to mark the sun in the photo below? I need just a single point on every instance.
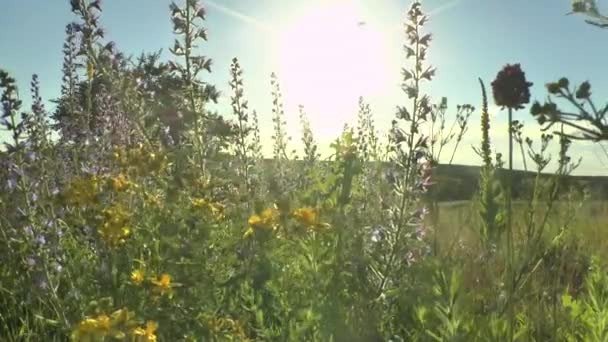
(329, 57)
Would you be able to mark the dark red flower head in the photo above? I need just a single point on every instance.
(510, 87)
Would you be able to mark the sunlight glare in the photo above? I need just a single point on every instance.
(329, 57)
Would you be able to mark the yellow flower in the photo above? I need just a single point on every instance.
(266, 220)
(255, 220)
(153, 199)
(306, 216)
(103, 322)
(163, 284)
(217, 210)
(199, 203)
(121, 316)
(82, 191)
(97, 327)
(137, 277)
(269, 215)
(102, 326)
(120, 183)
(149, 333)
(116, 227)
(87, 326)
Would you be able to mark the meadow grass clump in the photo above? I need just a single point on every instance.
(138, 214)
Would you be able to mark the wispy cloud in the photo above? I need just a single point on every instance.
(444, 7)
(240, 16)
(436, 11)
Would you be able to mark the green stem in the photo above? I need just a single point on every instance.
(523, 155)
(510, 229)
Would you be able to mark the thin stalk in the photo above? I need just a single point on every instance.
(454, 151)
(189, 81)
(510, 230)
(405, 200)
(523, 155)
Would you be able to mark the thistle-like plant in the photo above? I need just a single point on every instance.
(11, 104)
(187, 25)
(367, 135)
(585, 122)
(256, 141)
(590, 9)
(90, 38)
(158, 109)
(240, 108)
(279, 137)
(368, 146)
(68, 113)
(511, 90)
(279, 182)
(410, 176)
(37, 126)
(311, 154)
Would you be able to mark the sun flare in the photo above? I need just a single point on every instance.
(327, 58)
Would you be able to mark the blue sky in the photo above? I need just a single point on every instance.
(472, 38)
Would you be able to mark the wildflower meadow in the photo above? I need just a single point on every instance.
(132, 212)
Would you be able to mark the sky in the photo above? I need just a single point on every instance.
(325, 59)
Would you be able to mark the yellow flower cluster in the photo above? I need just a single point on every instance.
(267, 220)
(214, 208)
(140, 159)
(138, 276)
(224, 327)
(154, 200)
(309, 218)
(115, 228)
(163, 285)
(82, 191)
(120, 183)
(118, 325)
(148, 333)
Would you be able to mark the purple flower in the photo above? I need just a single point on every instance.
(41, 240)
(31, 261)
(510, 88)
(421, 231)
(410, 258)
(378, 234)
(11, 184)
(30, 156)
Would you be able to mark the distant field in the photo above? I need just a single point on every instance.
(458, 220)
